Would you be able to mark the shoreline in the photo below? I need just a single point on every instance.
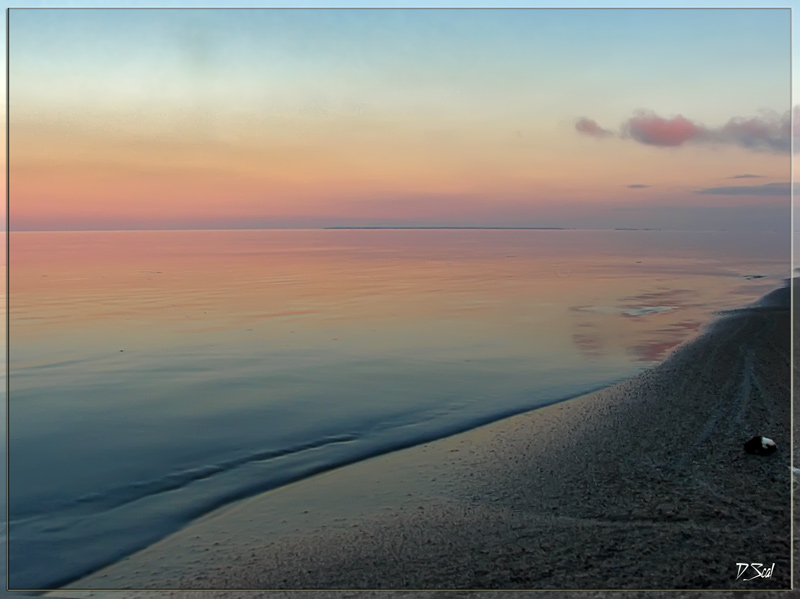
(628, 485)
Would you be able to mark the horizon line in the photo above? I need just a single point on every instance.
(367, 228)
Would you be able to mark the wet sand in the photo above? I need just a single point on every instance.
(644, 485)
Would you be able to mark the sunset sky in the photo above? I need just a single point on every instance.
(163, 119)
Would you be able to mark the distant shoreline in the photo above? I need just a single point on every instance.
(465, 228)
(494, 228)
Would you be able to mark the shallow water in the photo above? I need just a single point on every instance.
(157, 375)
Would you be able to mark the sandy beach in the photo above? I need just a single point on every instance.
(644, 485)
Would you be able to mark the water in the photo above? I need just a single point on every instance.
(158, 375)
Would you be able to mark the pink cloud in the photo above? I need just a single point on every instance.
(770, 131)
(591, 128)
(650, 129)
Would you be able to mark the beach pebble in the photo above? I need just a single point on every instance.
(760, 446)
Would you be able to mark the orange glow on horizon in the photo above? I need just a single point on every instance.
(67, 174)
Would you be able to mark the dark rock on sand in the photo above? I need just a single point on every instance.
(759, 445)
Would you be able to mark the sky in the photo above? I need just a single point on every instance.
(597, 118)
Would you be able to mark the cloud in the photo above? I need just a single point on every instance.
(650, 129)
(769, 189)
(637, 186)
(591, 128)
(769, 132)
(747, 176)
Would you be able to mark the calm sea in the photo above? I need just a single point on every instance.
(158, 375)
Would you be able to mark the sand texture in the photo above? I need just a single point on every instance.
(644, 485)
